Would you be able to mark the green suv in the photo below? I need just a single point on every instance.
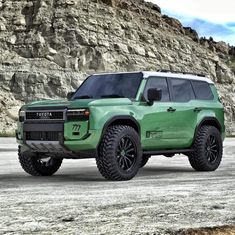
(121, 120)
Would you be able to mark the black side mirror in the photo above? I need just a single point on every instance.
(154, 95)
(70, 95)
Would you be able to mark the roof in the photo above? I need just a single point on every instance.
(147, 74)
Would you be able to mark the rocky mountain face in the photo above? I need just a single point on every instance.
(47, 47)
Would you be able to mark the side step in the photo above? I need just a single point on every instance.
(169, 151)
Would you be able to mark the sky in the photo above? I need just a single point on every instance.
(208, 17)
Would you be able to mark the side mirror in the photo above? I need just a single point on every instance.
(70, 95)
(154, 95)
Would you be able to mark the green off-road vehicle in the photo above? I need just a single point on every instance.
(121, 120)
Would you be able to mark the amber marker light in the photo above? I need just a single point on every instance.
(87, 113)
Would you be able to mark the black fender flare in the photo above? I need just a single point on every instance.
(120, 118)
(207, 120)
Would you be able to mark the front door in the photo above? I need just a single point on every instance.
(168, 124)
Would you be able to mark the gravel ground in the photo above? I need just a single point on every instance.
(166, 196)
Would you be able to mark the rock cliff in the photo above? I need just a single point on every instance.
(47, 47)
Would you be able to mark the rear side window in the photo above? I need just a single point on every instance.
(202, 90)
(160, 83)
(182, 90)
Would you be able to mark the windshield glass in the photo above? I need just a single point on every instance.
(124, 85)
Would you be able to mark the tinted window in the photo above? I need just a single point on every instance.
(202, 90)
(182, 90)
(159, 83)
(110, 86)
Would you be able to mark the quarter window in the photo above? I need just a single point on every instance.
(182, 90)
(202, 90)
(158, 83)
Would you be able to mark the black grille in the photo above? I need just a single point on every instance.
(45, 115)
(43, 135)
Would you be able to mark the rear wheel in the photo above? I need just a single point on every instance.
(208, 149)
(37, 165)
(119, 155)
(145, 159)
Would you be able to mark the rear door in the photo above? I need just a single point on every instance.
(182, 112)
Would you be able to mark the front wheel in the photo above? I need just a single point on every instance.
(119, 155)
(208, 149)
(37, 165)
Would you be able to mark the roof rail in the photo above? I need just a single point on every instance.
(182, 72)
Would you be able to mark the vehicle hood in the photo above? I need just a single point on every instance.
(82, 103)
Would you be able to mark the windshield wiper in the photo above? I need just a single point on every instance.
(112, 96)
(83, 97)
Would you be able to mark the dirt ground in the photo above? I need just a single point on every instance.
(166, 197)
(222, 230)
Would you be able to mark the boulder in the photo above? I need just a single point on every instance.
(191, 33)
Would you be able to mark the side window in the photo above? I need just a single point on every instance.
(202, 90)
(182, 90)
(160, 83)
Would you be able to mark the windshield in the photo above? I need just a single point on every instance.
(124, 85)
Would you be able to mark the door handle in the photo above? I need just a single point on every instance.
(197, 110)
(171, 110)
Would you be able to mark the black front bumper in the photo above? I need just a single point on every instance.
(44, 137)
(48, 138)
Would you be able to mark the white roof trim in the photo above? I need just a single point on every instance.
(109, 73)
(177, 75)
(147, 74)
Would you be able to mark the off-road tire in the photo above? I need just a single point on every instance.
(30, 164)
(200, 159)
(145, 159)
(108, 157)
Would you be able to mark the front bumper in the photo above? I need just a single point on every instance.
(62, 145)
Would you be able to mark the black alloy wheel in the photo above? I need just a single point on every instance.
(39, 164)
(120, 153)
(212, 149)
(208, 149)
(126, 152)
